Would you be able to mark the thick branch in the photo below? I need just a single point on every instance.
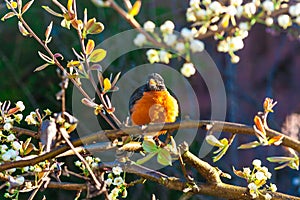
(221, 190)
(137, 130)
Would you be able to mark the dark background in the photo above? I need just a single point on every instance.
(269, 67)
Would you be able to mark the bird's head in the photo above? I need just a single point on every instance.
(155, 82)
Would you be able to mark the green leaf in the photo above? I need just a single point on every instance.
(164, 157)
(149, 146)
(279, 159)
(213, 141)
(97, 55)
(249, 145)
(146, 158)
(221, 154)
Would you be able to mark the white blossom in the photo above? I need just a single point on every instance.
(3, 148)
(18, 117)
(195, 3)
(223, 46)
(294, 10)
(273, 187)
(244, 26)
(253, 190)
(246, 171)
(10, 138)
(117, 170)
(149, 26)
(269, 21)
(89, 159)
(118, 181)
(284, 21)
(16, 145)
(236, 2)
(190, 15)
(16, 181)
(268, 196)
(20, 105)
(234, 58)
(78, 163)
(201, 13)
(260, 176)
(170, 39)
(297, 20)
(231, 10)
(7, 126)
(140, 40)
(235, 43)
(188, 69)
(108, 181)
(10, 154)
(152, 56)
(216, 7)
(180, 47)
(187, 34)
(30, 119)
(249, 9)
(167, 27)
(268, 6)
(196, 46)
(94, 165)
(164, 56)
(256, 163)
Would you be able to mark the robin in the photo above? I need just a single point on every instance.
(152, 103)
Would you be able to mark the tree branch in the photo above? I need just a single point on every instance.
(137, 130)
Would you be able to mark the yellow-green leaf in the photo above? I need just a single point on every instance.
(135, 8)
(7, 16)
(97, 55)
(249, 145)
(149, 146)
(146, 158)
(94, 28)
(89, 47)
(213, 141)
(164, 157)
(221, 154)
(106, 85)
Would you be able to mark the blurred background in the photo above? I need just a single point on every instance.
(269, 67)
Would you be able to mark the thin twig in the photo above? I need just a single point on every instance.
(65, 135)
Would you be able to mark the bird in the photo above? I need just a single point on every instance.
(152, 103)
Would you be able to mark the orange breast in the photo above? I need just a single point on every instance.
(154, 107)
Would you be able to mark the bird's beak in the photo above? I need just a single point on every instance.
(152, 83)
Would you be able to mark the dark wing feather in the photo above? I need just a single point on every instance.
(137, 94)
